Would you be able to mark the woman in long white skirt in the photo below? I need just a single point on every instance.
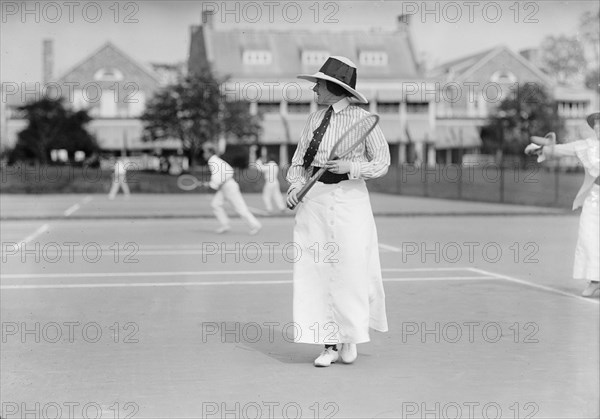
(338, 289)
(587, 251)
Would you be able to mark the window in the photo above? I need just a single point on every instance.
(298, 107)
(257, 57)
(137, 104)
(388, 107)
(504, 77)
(373, 58)
(268, 107)
(417, 107)
(314, 57)
(572, 109)
(108, 74)
(108, 104)
(79, 100)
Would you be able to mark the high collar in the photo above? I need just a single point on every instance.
(341, 105)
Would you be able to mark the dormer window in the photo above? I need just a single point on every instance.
(314, 58)
(373, 58)
(108, 74)
(257, 57)
(503, 77)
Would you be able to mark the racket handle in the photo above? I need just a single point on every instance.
(308, 186)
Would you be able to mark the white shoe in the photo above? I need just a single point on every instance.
(348, 353)
(591, 289)
(255, 230)
(222, 229)
(327, 357)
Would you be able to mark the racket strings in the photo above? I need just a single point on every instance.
(353, 141)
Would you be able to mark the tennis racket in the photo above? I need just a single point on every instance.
(347, 142)
(189, 183)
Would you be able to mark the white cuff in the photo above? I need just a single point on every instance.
(354, 170)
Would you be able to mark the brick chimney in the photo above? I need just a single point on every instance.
(48, 60)
(403, 23)
(208, 17)
(531, 54)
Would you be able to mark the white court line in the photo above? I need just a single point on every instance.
(137, 274)
(195, 247)
(71, 209)
(32, 236)
(141, 284)
(75, 207)
(441, 278)
(451, 269)
(218, 283)
(390, 248)
(534, 285)
(195, 273)
(132, 251)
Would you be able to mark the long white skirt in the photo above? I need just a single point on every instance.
(338, 289)
(587, 251)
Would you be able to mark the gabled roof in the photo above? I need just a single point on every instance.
(225, 50)
(458, 65)
(462, 68)
(108, 50)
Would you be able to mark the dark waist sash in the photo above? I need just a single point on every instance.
(329, 177)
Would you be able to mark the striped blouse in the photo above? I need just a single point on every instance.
(369, 160)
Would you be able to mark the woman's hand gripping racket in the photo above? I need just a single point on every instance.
(535, 147)
(189, 183)
(348, 141)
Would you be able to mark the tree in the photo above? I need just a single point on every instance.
(589, 33)
(239, 121)
(563, 58)
(195, 110)
(52, 126)
(592, 79)
(529, 111)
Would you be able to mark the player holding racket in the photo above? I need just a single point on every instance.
(338, 289)
(222, 181)
(587, 251)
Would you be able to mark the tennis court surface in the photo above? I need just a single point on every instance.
(136, 308)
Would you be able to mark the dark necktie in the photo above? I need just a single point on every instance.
(311, 151)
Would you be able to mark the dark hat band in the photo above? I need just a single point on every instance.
(340, 71)
(592, 118)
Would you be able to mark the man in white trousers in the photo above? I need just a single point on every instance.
(271, 191)
(119, 179)
(221, 180)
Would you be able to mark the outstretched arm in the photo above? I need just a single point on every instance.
(551, 151)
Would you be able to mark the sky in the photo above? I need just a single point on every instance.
(159, 31)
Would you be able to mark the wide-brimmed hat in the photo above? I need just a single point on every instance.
(593, 117)
(338, 70)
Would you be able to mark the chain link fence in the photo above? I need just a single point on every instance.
(529, 184)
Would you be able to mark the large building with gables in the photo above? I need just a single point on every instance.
(432, 117)
(472, 87)
(112, 86)
(262, 67)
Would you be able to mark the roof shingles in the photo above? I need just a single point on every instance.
(287, 47)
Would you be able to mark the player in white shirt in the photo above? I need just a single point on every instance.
(227, 188)
(119, 179)
(587, 252)
(271, 191)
